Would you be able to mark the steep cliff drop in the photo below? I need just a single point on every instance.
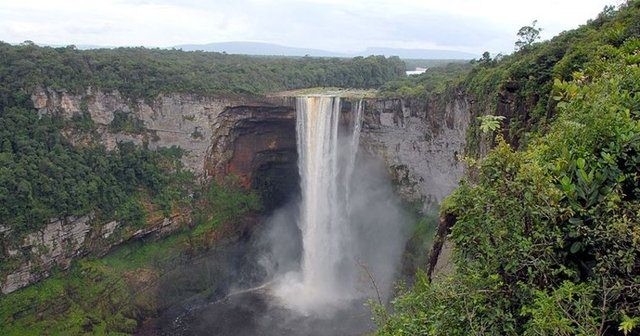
(311, 267)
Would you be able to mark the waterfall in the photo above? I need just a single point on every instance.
(352, 150)
(327, 152)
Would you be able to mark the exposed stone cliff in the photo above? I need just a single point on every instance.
(253, 139)
(187, 121)
(258, 145)
(64, 239)
(421, 142)
(180, 120)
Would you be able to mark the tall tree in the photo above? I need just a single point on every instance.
(527, 35)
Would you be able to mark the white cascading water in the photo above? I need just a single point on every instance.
(326, 161)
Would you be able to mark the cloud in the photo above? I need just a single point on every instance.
(337, 25)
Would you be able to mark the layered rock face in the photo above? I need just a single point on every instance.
(64, 239)
(55, 245)
(421, 142)
(257, 144)
(180, 120)
(252, 139)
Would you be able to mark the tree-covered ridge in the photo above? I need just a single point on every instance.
(436, 80)
(547, 239)
(144, 73)
(524, 80)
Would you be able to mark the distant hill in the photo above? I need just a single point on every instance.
(270, 49)
(259, 48)
(420, 53)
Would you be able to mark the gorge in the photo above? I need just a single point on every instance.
(405, 142)
(254, 141)
(163, 192)
(340, 251)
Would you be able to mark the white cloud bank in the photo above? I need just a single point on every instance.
(336, 25)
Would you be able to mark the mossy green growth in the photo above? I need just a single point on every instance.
(126, 122)
(108, 296)
(228, 201)
(141, 254)
(546, 239)
(420, 241)
(90, 299)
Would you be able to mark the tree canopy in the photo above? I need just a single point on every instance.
(145, 73)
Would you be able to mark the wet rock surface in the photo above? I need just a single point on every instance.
(421, 142)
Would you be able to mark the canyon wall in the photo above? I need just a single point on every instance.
(251, 138)
(421, 142)
(183, 120)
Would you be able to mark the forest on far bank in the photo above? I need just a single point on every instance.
(145, 73)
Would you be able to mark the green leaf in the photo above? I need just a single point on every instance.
(584, 176)
(575, 247)
(576, 221)
(628, 324)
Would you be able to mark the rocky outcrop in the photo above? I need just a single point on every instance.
(421, 142)
(56, 245)
(64, 239)
(182, 120)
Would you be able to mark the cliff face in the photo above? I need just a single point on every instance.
(64, 239)
(248, 132)
(257, 144)
(251, 139)
(180, 120)
(421, 142)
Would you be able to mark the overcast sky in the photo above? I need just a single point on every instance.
(335, 25)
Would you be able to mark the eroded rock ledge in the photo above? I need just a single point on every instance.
(421, 143)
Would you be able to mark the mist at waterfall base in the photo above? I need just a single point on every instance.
(329, 249)
(350, 223)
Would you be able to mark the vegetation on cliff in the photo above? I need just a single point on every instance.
(112, 295)
(546, 235)
(519, 86)
(44, 176)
